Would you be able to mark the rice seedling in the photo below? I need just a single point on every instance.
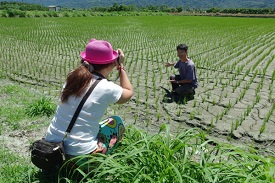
(257, 99)
(207, 107)
(192, 115)
(195, 103)
(273, 76)
(203, 99)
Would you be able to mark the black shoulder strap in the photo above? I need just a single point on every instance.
(80, 106)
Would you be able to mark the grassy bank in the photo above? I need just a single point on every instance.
(16, 128)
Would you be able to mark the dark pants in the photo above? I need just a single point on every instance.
(182, 89)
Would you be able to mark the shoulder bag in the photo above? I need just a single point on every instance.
(50, 156)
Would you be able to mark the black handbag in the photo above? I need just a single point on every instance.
(47, 156)
(50, 156)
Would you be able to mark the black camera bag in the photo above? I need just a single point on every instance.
(50, 156)
(47, 156)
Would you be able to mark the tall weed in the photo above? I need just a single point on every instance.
(186, 157)
(43, 106)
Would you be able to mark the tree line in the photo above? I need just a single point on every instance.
(21, 6)
(121, 7)
(242, 10)
(18, 9)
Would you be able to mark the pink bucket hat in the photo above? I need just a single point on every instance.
(99, 52)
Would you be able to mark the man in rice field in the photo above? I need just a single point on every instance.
(186, 82)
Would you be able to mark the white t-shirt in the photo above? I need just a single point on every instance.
(83, 137)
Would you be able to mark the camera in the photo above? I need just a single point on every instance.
(118, 59)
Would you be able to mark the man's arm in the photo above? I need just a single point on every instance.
(184, 81)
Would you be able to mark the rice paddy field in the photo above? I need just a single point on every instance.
(234, 57)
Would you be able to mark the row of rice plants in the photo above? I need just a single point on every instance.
(237, 80)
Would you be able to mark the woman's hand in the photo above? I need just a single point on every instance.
(120, 57)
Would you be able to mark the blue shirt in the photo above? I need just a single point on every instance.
(187, 71)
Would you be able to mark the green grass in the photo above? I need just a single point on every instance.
(43, 106)
(17, 102)
(186, 157)
(15, 163)
(13, 168)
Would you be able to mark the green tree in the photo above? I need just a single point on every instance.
(179, 9)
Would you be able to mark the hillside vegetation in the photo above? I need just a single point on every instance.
(185, 4)
(18, 9)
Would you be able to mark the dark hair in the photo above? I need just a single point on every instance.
(95, 67)
(76, 83)
(79, 79)
(182, 47)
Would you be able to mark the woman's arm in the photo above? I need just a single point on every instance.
(125, 83)
(127, 87)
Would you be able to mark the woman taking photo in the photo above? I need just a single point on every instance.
(98, 61)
